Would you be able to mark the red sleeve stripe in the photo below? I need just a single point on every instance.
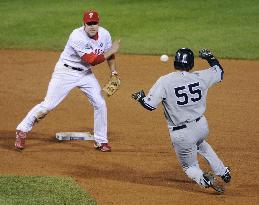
(99, 59)
(93, 59)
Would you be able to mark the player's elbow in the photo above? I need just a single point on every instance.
(146, 106)
(92, 63)
(99, 59)
(150, 109)
(93, 59)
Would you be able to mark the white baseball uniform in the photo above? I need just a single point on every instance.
(71, 72)
(183, 95)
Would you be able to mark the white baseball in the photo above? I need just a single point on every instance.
(164, 58)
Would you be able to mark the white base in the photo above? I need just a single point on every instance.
(74, 136)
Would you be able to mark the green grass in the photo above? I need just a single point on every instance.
(230, 28)
(37, 190)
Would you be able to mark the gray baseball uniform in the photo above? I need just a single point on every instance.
(183, 96)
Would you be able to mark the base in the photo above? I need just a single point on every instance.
(74, 136)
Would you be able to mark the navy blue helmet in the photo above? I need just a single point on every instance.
(184, 59)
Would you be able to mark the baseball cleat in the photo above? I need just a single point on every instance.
(20, 140)
(104, 147)
(226, 177)
(210, 182)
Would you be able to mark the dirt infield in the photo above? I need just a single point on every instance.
(142, 168)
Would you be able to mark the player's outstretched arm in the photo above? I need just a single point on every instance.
(139, 96)
(207, 55)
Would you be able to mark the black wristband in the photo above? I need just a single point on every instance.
(213, 61)
(145, 105)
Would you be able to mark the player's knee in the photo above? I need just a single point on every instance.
(43, 109)
(47, 106)
(40, 115)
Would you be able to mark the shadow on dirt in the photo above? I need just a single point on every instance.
(7, 139)
(122, 173)
(34, 139)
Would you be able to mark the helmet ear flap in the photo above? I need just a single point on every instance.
(184, 59)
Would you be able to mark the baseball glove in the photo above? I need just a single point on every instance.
(112, 86)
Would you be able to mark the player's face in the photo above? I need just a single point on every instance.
(91, 28)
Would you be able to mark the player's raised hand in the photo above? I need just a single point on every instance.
(114, 49)
(205, 54)
(116, 46)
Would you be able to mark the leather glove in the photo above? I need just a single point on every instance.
(112, 86)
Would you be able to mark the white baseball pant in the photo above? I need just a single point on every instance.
(62, 82)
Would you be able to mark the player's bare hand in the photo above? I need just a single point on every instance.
(115, 46)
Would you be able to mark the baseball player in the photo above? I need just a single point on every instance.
(183, 96)
(86, 47)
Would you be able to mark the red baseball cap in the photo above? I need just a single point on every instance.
(91, 16)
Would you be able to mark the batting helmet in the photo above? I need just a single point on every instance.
(184, 59)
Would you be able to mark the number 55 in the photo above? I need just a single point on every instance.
(181, 92)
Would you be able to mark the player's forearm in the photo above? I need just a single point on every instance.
(213, 61)
(108, 54)
(114, 49)
(207, 55)
(139, 96)
(112, 64)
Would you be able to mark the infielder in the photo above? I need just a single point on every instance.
(183, 96)
(87, 46)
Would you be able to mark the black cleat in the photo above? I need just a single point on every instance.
(210, 182)
(226, 176)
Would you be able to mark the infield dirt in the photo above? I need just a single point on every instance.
(142, 167)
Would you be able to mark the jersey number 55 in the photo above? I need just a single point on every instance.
(191, 89)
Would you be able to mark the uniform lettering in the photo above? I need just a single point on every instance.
(98, 51)
(195, 91)
(182, 93)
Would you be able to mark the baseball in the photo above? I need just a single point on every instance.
(164, 58)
